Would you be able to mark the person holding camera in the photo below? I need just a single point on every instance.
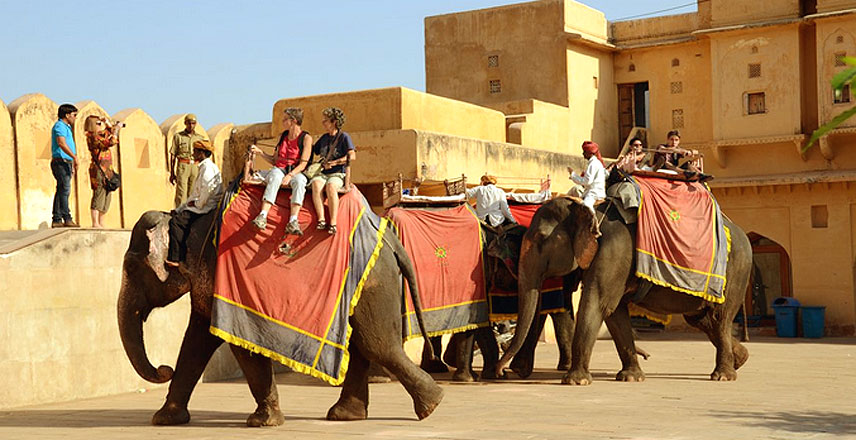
(100, 137)
(182, 170)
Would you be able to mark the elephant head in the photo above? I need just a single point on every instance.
(562, 237)
(146, 284)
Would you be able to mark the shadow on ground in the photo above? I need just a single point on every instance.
(102, 418)
(797, 422)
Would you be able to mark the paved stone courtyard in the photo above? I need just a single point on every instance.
(789, 389)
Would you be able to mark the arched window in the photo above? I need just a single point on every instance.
(676, 62)
(632, 68)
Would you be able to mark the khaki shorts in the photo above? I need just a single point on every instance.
(100, 197)
(335, 179)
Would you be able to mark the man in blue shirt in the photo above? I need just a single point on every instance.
(63, 165)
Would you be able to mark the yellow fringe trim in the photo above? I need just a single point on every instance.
(444, 332)
(703, 295)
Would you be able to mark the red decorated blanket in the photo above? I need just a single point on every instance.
(293, 307)
(681, 241)
(446, 249)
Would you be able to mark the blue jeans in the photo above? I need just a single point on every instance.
(62, 170)
(273, 179)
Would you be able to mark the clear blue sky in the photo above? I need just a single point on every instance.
(226, 61)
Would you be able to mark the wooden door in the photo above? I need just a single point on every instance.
(626, 120)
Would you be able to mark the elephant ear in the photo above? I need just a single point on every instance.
(585, 234)
(158, 237)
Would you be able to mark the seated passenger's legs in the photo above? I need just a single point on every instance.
(273, 180)
(298, 192)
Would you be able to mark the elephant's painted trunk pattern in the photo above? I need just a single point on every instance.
(133, 309)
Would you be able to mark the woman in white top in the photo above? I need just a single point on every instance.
(593, 179)
(491, 204)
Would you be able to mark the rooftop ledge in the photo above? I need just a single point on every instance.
(719, 148)
(585, 40)
(742, 27)
(823, 177)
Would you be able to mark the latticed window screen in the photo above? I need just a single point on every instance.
(678, 118)
(755, 70)
(839, 59)
(756, 103)
(677, 87)
(839, 39)
(842, 96)
(493, 61)
(495, 86)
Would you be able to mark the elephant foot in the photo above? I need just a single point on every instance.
(434, 366)
(349, 410)
(265, 416)
(564, 363)
(630, 375)
(424, 406)
(724, 374)
(577, 378)
(489, 373)
(464, 375)
(741, 355)
(171, 414)
(522, 369)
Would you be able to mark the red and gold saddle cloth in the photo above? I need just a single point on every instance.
(681, 241)
(445, 247)
(293, 307)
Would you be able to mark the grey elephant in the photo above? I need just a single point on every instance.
(147, 284)
(502, 246)
(563, 237)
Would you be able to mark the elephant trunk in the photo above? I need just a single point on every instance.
(528, 300)
(133, 309)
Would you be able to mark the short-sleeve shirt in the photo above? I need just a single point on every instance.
(182, 144)
(343, 145)
(61, 129)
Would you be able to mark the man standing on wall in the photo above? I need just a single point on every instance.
(182, 170)
(63, 165)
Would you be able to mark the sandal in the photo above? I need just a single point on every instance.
(321, 225)
(332, 229)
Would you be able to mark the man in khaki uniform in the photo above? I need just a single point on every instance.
(182, 170)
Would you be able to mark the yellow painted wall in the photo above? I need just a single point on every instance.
(113, 219)
(730, 12)
(540, 125)
(527, 38)
(145, 179)
(593, 99)
(778, 54)
(33, 117)
(833, 5)
(395, 108)
(630, 32)
(219, 136)
(580, 18)
(822, 259)
(8, 173)
(828, 32)
(654, 65)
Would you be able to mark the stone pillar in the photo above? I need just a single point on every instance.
(33, 117)
(145, 179)
(219, 136)
(8, 172)
(113, 219)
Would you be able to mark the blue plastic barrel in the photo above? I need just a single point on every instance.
(813, 321)
(786, 309)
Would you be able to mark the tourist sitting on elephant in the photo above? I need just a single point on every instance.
(491, 202)
(634, 159)
(336, 150)
(593, 179)
(204, 196)
(673, 158)
(289, 160)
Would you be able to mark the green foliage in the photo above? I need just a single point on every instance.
(841, 79)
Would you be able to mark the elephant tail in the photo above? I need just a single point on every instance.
(406, 267)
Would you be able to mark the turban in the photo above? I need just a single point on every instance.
(591, 147)
(488, 179)
(203, 145)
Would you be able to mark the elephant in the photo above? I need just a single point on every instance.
(502, 244)
(376, 336)
(564, 236)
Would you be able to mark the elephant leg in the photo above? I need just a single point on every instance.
(353, 403)
(563, 324)
(450, 356)
(524, 362)
(619, 327)
(434, 364)
(464, 358)
(196, 350)
(489, 351)
(259, 373)
(589, 319)
(730, 354)
(378, 374)
(426, 394)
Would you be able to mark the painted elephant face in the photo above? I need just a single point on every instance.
(561, 225)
